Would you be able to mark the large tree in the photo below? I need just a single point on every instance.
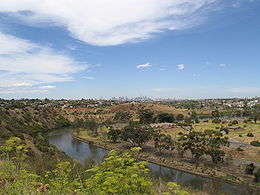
(163, 142)
(136, 133)
(113, 134)
(165, 117)
(145, 116)
(208, 142)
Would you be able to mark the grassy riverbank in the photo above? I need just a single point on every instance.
(204, 168)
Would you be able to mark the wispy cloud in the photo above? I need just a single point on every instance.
(180, 66)
(102, 22)
(146, 65)
(26, 64)
(22, 84)
(89, 78)
(222, 65)
(47, 87)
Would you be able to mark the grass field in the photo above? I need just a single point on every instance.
(246, 128)
(250, 153)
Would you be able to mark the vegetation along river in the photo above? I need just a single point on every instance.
(87, 153)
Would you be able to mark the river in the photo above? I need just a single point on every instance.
(87, 153)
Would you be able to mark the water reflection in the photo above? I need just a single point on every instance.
(76, 149)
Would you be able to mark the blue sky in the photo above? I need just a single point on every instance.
(94, 49)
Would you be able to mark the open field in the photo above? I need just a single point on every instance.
(250, 153)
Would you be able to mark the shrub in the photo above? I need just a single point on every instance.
(240, 135)
(250, 134)
(197, 121)
(240, 149)
(250, 169)
(216, 121)
(255, 143)
(234, 122)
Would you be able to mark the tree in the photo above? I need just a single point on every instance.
(179, 117)
(163, 142)
(145, 116)
(113, 134)
(193, 142)
(122, 116)
(257, 176)
(255, 114)
(119, 173)
(136, 133)
(91, 125)
(194, 115)
(208, 142)
(165, 117)
(214, 141)
(215, 114)
(250, 169)
(77, 123)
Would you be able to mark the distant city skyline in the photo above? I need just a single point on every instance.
(160, 49)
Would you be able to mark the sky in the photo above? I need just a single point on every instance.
(109, 48)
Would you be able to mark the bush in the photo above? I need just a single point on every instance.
(255, 143)
(234, 122)
(197, 121)
(250, 169)
(216, 121)
(240, 135)
(250, 134)
(240, 149)
(206, 121)
(180, 133)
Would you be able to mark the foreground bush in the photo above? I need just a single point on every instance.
(119, 173)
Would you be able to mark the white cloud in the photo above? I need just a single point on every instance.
(180, 66)
(89, 78)
(113, 22)
(22, 84)
(222, 65)
(47, 87)
(25, 64)
(146, 65)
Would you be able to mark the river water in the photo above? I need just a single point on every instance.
(88, 154)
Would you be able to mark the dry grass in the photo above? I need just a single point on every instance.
(250, 153)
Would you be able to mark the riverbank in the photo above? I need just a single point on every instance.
(171, 161)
